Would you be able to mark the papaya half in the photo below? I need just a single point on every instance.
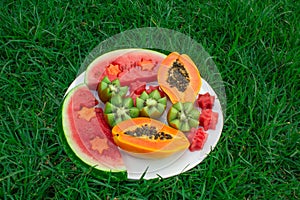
(179, 78)
(148, 138)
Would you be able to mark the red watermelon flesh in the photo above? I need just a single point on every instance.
(85, 135)
(137, 87)
(197, 138)
(89, 100)
(139, 57)
(137, 74)
(134, 65)
(205, 101)
(208, 119)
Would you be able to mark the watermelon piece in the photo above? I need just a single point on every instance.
(208, 119)
(151, 88)
(197, 138)
(144, 58)
(86, 135)
(206, 101)
(137, 87)
(128, 65)
(137, 74)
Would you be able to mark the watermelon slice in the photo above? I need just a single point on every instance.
(128, 65)
(85, 135)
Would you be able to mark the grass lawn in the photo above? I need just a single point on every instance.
(255, 45)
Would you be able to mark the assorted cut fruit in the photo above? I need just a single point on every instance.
(131, 111)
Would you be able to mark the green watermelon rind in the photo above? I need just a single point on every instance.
(74, 152)
(114, 54)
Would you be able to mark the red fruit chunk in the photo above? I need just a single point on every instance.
(137, 87)
(206, 101)
(208, 119)
(151, 88)
(197, 138)
(140, 90)
(214, 120)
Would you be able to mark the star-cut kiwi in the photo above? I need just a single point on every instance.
(151, 105)
(119, 109)
(107, 89)
(183, 116)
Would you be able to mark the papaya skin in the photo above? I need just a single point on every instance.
(194, 79)
(144, 147)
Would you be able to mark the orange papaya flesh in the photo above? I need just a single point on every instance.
(179, 78)
(148, 138)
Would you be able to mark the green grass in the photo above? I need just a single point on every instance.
(255, 46)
